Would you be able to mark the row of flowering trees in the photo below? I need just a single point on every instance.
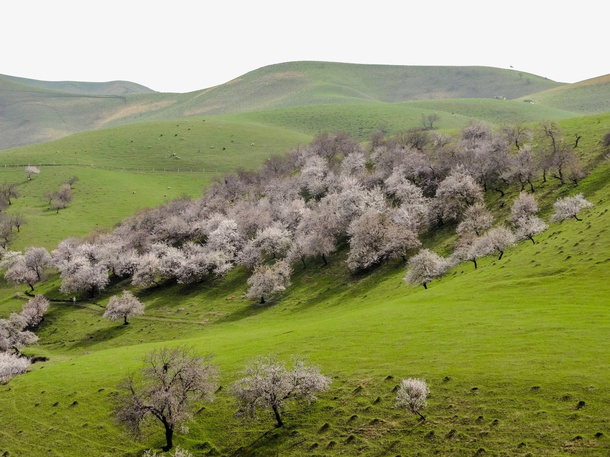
(299, 208)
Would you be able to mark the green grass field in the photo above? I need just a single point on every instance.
(509, 349)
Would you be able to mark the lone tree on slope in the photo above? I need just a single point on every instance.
(31, 170)
(268, 384)
(412, 395)
(166, 390)
(123, 307)
(568, 207)
(424, 267)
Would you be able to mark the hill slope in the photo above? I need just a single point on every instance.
(513, 351)
(586, 97)
(37, 111)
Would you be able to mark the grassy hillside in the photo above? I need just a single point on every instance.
(586, 97)
(509, 350)
(361, 120)
(37, 111)
(129, 168)
(78, 87)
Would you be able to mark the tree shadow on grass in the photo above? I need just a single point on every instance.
(100, 335)
(263, 444)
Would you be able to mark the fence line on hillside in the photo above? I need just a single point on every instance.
(124, 169)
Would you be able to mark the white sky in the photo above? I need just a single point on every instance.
(186, 45)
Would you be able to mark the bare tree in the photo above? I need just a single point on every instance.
(120, 308)
(412, 394)
(62, 198)
(268, 384)
(166, 390)
(7, 192)
(424, 267)
(568, 207)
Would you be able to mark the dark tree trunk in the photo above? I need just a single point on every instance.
(531, 238)
(420, 415)
(531, 186)
(277, 416)
(425, 286)
(578, 137)
(522, 185)
(501, 254)
(497, 189)
(31, 287)
(324, 259)
(169, 438)
(125, 320)
(303, 260)
(576, 217)
(475, 263)
(262, 302)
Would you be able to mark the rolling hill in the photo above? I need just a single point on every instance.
(37, 111)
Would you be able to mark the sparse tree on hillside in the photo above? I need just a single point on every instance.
(120, 308)
(17, 220)
(61, 198)
(269, 280)
(7, 192)
(268, 384)
(523, 168)
(424, 267)
(72, 180)
(470, 248)
(568, 207)
(517, 134)
(12, 365)
(524, 219)
(166, 390)
(429, 120)
(412, 394)
(31, 170)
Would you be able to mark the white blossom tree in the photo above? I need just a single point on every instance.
(477, 218)
(33, 311)
(424, 267)
(268, 384)
(456, 192)
(29, 268)
(13, 335)
(12, 365)
(524, 219)
(31, 170)
(120, 308)
(269, 280)
(568, 207)
(412, 394)
(499, 239)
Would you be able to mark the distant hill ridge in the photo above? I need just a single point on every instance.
(36, 111)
